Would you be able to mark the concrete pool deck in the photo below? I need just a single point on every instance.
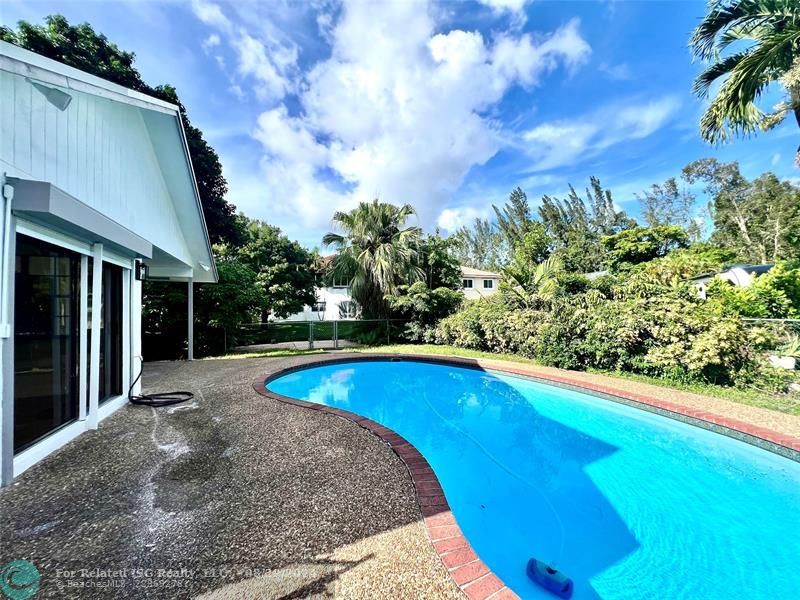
(239, 496)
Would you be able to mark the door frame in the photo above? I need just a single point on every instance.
(89, 350)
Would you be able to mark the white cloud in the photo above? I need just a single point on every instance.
(516, 8)
(396, 116)
(565, 142)
(211, 41)
(776, 158)
(268, 62)
(619, 72)
(451, 219)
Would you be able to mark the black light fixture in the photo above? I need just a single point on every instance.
(142, 271)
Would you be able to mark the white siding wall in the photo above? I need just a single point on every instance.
(93, 136)
(477, 290)
(332, 296)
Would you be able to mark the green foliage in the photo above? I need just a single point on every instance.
(666, 335)
(376, 253)
(83, 48)
(285, 272)
(233, 300)
(530, 283)
(423, 307)
(642, 244)
(773, 295)
(439, 263)
(514, 218)
(669, 204)
(758, 220)
(481, 246)
(576, 225)
(749, 45)
(685, 263)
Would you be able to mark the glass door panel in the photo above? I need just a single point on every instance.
(111, 333)
(45, 340)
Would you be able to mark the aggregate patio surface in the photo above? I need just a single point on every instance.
(235, 495)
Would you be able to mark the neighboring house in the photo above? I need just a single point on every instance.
(477, 284)
(738, 275)
(96, 184)
(334, 303)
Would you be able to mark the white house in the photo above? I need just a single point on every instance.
(478, 284)
(96, 182)
(334, 303)
(741, 275)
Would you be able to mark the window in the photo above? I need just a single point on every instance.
(488, 284)
(466, 284)
(318, 307)
(340, 283)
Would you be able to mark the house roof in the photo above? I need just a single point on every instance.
(747, 268)
(478, 273)
(164, 125)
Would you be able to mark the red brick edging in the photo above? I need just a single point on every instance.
(467, 570)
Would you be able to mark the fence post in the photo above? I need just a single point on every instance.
(335, 335)
(388, 341)
(311, 335)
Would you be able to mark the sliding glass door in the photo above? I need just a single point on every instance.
(110, 307)
(46, 337)
(111, 333)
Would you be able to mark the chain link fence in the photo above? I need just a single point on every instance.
(320, 334)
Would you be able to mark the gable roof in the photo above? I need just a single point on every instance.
(164, 126)
(478, 273)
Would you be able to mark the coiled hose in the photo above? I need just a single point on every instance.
(158, 399)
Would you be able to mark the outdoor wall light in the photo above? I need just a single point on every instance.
(204, 266)
(142, 271)
(56, 97)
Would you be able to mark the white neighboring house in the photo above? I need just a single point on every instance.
(96, 182)
(478, 284)
(737, 275)
(334, 303)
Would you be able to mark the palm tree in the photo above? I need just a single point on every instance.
(767, 36)
(376, 252)
(530, 282)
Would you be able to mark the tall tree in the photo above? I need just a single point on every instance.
(377, 252)
(750, 45)
(642, 244)
(286, 273)
(669, 204)
(576, 225)
(481, 246)
(760, 220)
(439, 263)
(514, 218)
(81, 47)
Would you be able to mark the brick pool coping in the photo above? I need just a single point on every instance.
(466, 569)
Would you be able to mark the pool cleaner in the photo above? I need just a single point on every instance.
(549, 578)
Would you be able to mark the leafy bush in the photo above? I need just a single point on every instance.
(423, 307)
(669, 335)
(775, 294)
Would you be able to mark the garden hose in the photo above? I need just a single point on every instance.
(158, 399)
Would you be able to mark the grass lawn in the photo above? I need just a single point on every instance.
(280, 353)
(786, 403)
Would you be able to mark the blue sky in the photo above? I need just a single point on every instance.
(314, 106)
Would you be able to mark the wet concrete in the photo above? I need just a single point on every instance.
(230, 496)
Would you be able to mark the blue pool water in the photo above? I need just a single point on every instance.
(629, 504)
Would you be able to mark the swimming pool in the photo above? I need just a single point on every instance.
(629, 504)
